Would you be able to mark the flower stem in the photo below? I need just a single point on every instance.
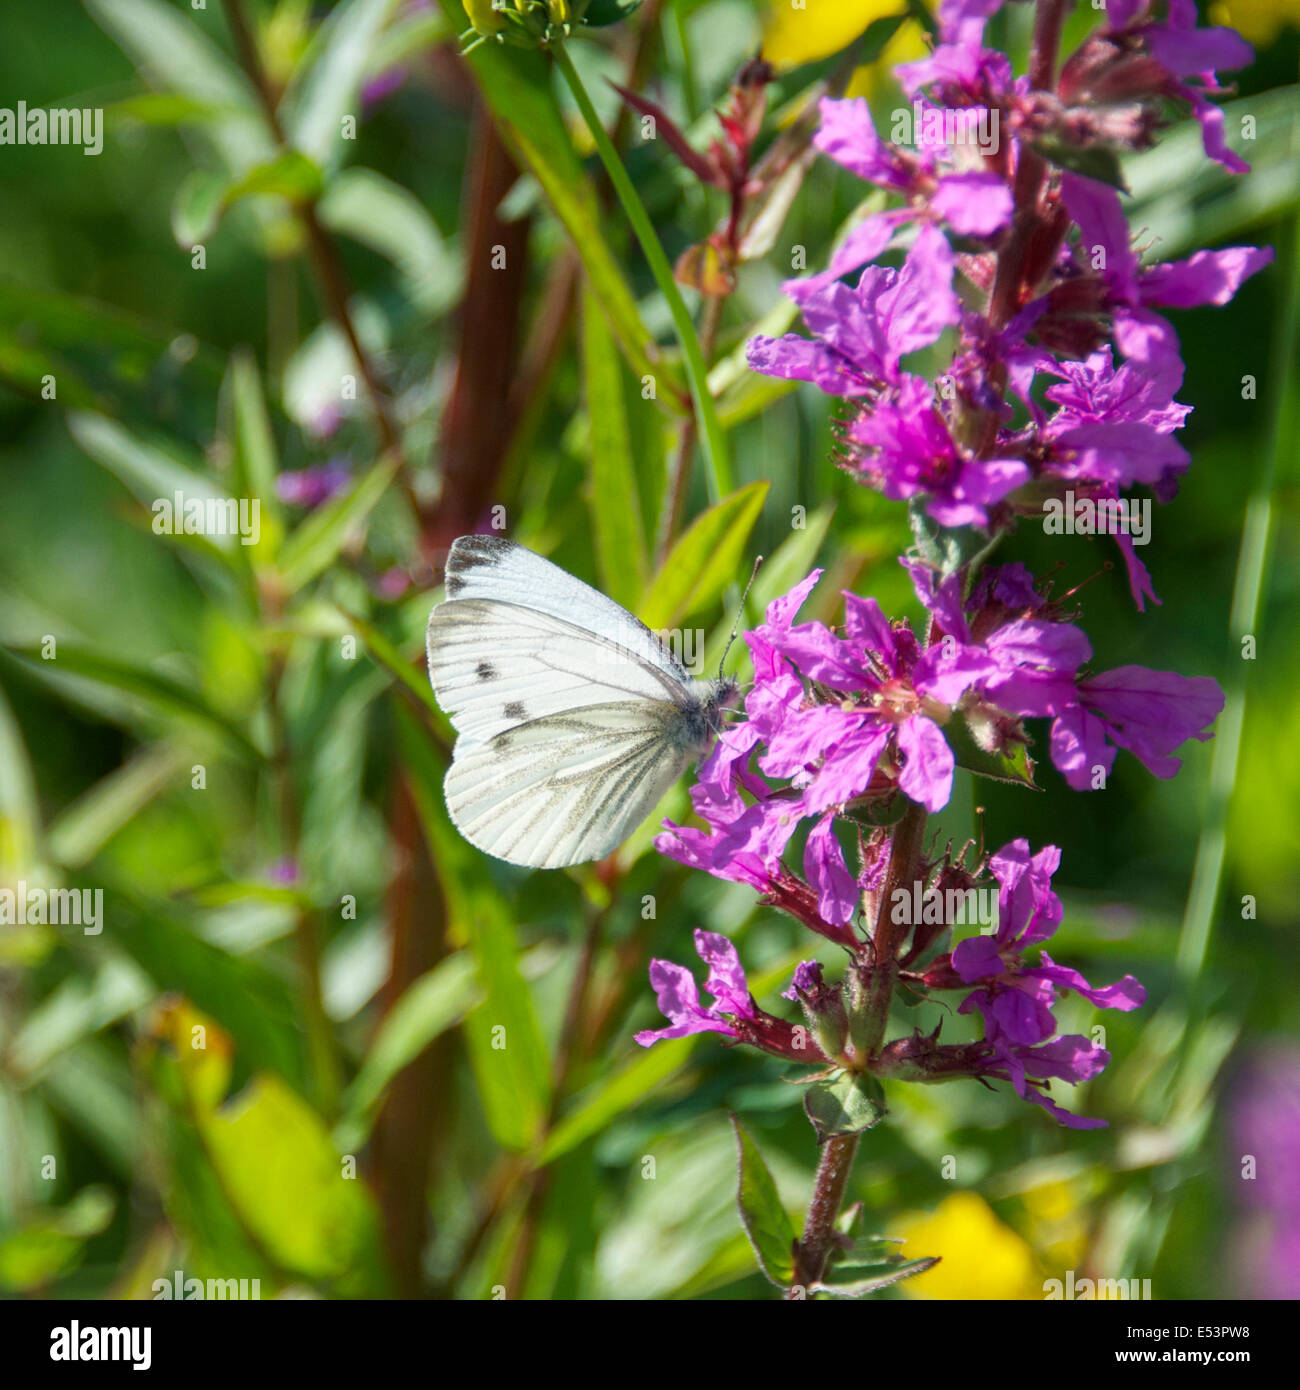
(904, 862)
(717, 467)
(814, 1249)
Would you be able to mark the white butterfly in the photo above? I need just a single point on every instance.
(573, 718)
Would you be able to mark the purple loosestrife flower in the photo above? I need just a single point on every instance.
(974, 201)
(1177, 51)
(733, 1013)
(1126, 290)
(862, 334)
(1015, 999)
(679, 999)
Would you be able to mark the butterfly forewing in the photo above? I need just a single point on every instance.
(496, 665)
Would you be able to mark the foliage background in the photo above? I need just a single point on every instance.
(372, 1037)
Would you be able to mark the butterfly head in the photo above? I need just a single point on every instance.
(723, 693)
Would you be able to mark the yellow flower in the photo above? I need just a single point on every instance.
(981, 1256)
(819, 28)
(1261, 21)
(794, 36)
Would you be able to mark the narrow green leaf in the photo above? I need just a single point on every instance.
(81, 831)
(290, 175)
(390, 220)
(706, 559)
(612, 493)
(316, 543)
(765, 1219)
(626, 1088)
(197, 207)
(872, 1283)
(429, 1006)
(160, 694)
(1099, 162)
(256, 456)
(507, 1051)
(391, 659)
(174, 53)
(326, 85)
(19, 813)
(147, 471)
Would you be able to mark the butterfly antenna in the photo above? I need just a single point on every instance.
(740, 613)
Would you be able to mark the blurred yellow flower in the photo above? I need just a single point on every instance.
(1261, 21)
(793, 36)
(1057, 1225)
(981, 1256)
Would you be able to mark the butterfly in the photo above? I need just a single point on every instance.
(573, 718)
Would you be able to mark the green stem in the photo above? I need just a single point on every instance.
(1252, 571)
(717, 467)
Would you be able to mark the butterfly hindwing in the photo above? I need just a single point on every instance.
(566, 788)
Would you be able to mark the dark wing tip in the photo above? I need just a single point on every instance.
(471, 552)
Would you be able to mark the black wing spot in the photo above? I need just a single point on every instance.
(485, 671)
(515, 710)
(453, 584)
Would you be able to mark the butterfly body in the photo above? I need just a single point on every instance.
(573, 718)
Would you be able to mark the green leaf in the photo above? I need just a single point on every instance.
(53, 1242)
(626, 1088)
(161, 695)
(251, 1000)
(276, 1164)
(326, 85)
(438, 1000)
(414, 677)
(706, 559)
(612, 493)
(81, 831)
(881, 1278)
(974, 735)
(290, 175)
(315, 545)
(19, 813)
(844, 1104)
(172, 52)
(516, 83)
(256, 457)
(1098, 162)
(507, 1051)
(390, 220)
(765, 1219)
(197, 207)
(148, 472)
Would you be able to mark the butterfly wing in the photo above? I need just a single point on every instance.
(497, 665)
(566, 788)
(491, 567)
